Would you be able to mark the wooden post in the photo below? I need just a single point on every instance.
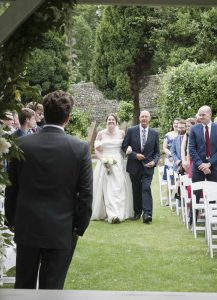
(92, 135)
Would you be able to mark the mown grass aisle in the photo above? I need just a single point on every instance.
(163, 256)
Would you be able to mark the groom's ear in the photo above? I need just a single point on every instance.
(66, 121)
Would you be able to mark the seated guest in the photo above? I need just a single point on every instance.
(27, 122)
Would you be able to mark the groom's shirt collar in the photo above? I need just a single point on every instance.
(55, 126)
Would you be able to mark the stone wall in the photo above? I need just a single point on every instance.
(91, 100)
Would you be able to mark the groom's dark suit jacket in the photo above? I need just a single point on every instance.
(51, 192)
(151, 150)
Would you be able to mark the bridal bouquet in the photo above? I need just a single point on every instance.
(108, 163)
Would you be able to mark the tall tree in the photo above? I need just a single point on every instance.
(85, 20)
(134, 41)
(47, 66)
(123, 51)
(186, 33)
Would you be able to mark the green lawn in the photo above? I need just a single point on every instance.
(162, 256)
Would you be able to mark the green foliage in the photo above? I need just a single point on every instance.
(52, 15)
(184, 89)
(85, 20)
(122, 38)
(186, 34)
(78, 124)
(125, 111)
(83, 48)
(47, 67)
(3, 7)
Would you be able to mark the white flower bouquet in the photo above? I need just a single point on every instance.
(108, 163)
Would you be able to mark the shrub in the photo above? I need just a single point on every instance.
(78, 124)
(125, 111)
(185, 89)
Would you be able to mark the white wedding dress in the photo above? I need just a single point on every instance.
(112, 193)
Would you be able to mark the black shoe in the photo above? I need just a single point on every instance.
(135, 217)
(116, 220)
(147, 219)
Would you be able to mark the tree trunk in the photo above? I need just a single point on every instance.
(135, 72)
(134, 87)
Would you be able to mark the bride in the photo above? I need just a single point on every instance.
(112, 195)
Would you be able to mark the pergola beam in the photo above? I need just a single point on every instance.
(152, 3)
(18, 12)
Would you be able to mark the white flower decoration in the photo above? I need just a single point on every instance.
(4, 146)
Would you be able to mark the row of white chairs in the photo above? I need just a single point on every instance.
(167, 187)
(204, 213)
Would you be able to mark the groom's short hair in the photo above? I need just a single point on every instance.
(57, 107)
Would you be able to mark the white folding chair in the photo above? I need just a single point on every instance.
(198, 224)
(162, 183)
(171, 186)
(7, 255)
(210, 196)
(185, 182)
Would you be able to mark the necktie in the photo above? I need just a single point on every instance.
(143, 138)
(207, 140)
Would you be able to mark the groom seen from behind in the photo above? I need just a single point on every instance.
(144, 154)
(49, 202)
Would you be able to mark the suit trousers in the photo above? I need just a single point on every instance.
(142, 196)
(49, 266)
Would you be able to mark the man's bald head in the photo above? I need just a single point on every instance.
(205, 114)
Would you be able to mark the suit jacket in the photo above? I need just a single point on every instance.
(151, 150)
(176, 150)
(197, 146)
(18, 133)
(51, 192)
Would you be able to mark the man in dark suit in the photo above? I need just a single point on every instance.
(203, 149)
(49, 202)
(143, 157)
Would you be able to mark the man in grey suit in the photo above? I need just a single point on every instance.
(143, 157)
(49, 202)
